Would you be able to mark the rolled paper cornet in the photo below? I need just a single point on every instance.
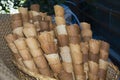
(16, 16)
(36, 52)
(18, 31)
(32, 43)
(93, 77)
(68, 67)
(13, 47)
(30, 16)
(60, 21)
(56, 68)
(78, 28)
(103, 64)
(94, 67)
(30, 65)
(45, 71)
(76, 53)
(65, 54)
(72, 30)
(20, 44)
(29, 30)
(44, 25)
(104, 50)
(102, 74)
(40, 62)
(52, 58)
(16, 24)
(85, 25)
(35, 7)
(59, 11)
(78, 69)
(81, 77)
(63, 75)
(94, 46)
(10, 38)
(24, 13)
(86, 34)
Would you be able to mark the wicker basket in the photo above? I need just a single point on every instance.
(5, 55)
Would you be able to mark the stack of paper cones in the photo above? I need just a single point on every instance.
(94, 59)
(86, 32)
(48, 45)
(16, 24)
(10, 38)
(85, 51)
(25, 54)
(38, 56)
(63, 39)
(77, 57)
(24, 13)
(103, 63)
(35, 7)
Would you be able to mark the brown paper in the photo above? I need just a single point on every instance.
(105, 46)
(102, 74)
(63, 75)
(78, 69)
(94, 67)
(40, 62)
(45, 71)
(44, 25)
(94, 46)
(94, 57)
(16, 23)
(35, 7)
(68, 67)
(13, 47)
(36, 52)
(81, 77)
(56, 68)
(60, 21)
(104, 55)
(25, 54)
(93, 77)
(85, 25)
(76, 53)
(16, 16)
(74, 39)
(30, 65)
(18, 31)
(63, 40)
(20, 44)
(84, 47)
(72, 30)
(10, 38)
(103, 64)
(59, 11)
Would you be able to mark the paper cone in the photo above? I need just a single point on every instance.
(85, 25)
(48, 18)
(86, 34)
(32, 43)
(104, 55)
(65, 54)
(72, 30)
(94, 46)
(86, 69)
(105, 46)
(45, 71)
(25, 54)
(24, 13)
(59, 11)
(102, 74)
(36, 52)
(29, 30)
(13, 47)
(94, 57)
(68, 67)
(10, 38)
(18, 31)
(30, 65)
(40, 61)
(35, 7)
(16, 16)
(94, 67)
(85, 58)
(16, 24)
(37, 25)
(20, 44)
(63, 75)
(78, 69)
(43, 15)
(93, 77)
(103, 64)
(84, 47)
(36, 18)
(53, 58)
(78, 28)
(63, 40)
(60, 21)
(30, 16)
(74, 39)
(20, 61)
(44, 25)
(81, 77)
(76, 53)
(56, 68)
